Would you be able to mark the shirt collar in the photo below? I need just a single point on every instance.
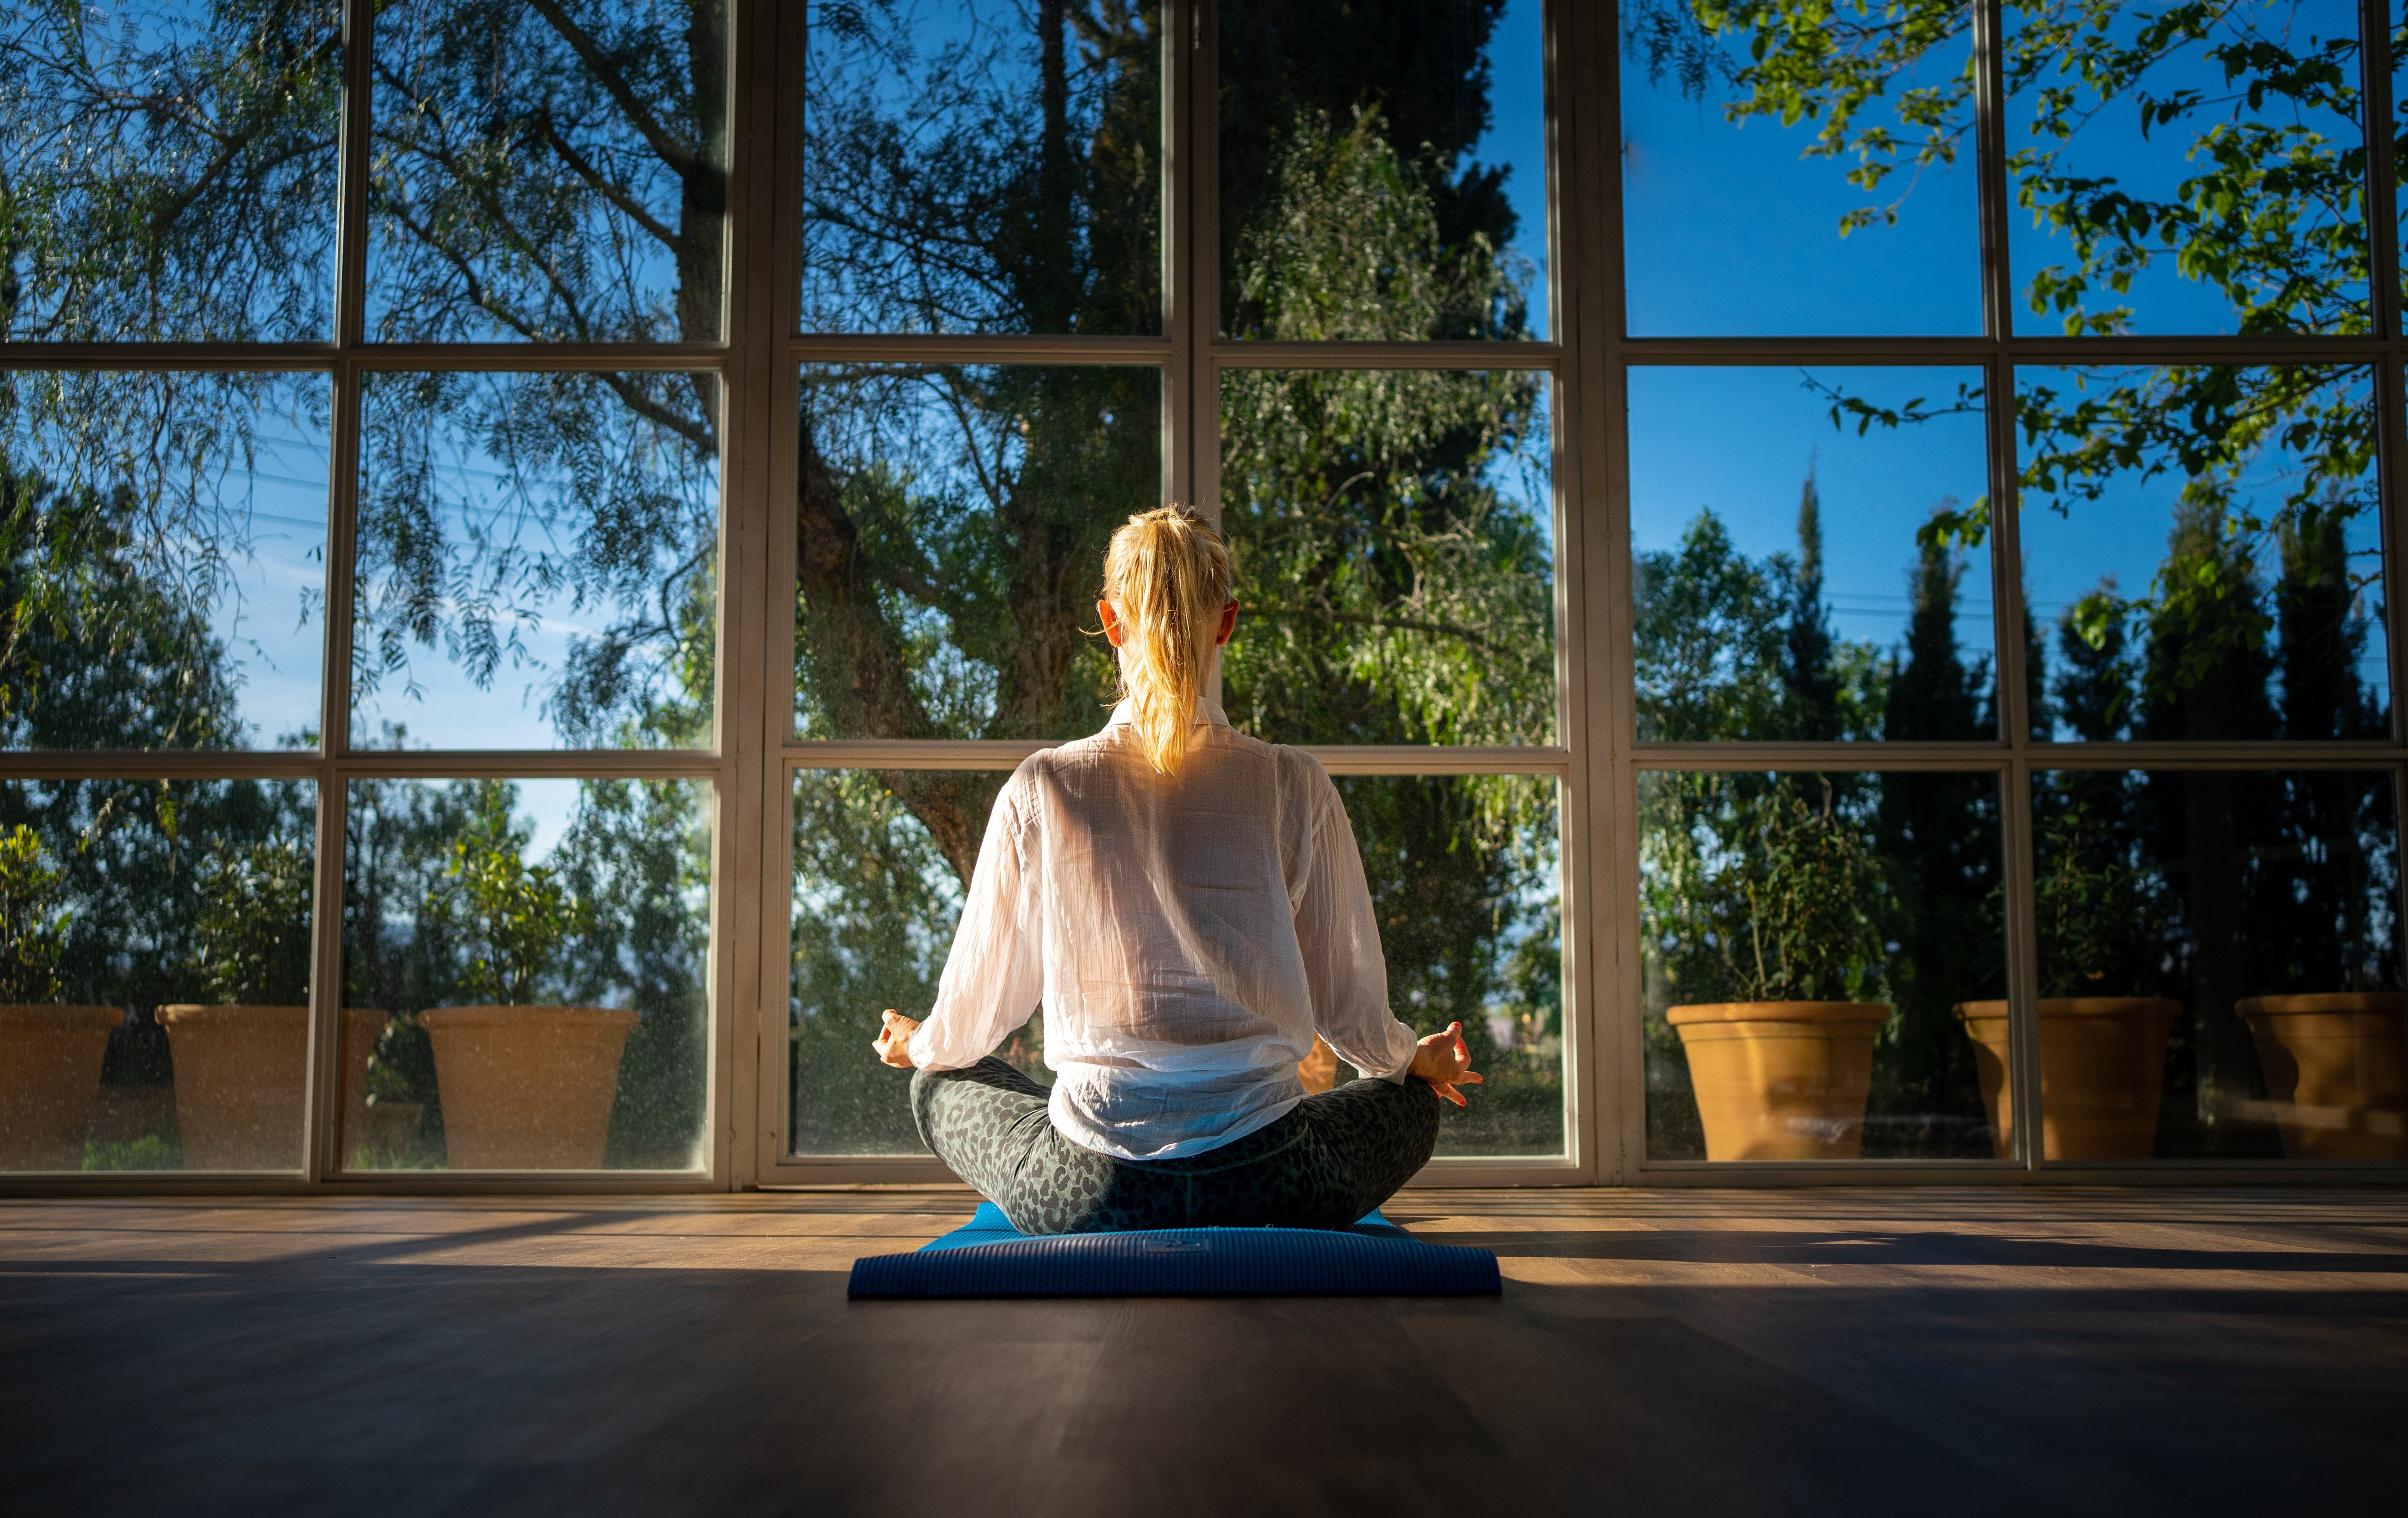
(1207, 711)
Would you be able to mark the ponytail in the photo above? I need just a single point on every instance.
(1167, 575)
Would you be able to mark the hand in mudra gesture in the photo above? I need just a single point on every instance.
(894, 1040)
(1444, 1062)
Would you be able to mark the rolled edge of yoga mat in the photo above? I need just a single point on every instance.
(1185, 1262)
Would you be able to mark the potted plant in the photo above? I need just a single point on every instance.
(2102, 1053)
(242, 1056)
(2336, 1068)
(524, 1085)
(1781, 1071)
(50, 1053)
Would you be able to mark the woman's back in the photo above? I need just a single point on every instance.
(1185, 933)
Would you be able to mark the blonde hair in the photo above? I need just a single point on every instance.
(1167, 575)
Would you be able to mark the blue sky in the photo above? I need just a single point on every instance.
(1517, 135)
(1740, 442)
(1729, 231)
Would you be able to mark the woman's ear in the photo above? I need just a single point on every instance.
(1228, 624)
(1112, 633)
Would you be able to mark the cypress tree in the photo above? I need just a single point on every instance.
(1940, 835)
(1933, 694)
(2207, 677)
(1812, 693)
(2309, 917)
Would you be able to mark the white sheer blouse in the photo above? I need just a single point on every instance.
(1186, 937)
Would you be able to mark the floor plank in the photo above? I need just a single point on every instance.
(1699, 1352)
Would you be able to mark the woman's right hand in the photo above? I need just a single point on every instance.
(1444, 1062)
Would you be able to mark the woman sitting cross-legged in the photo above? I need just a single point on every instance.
(1187, 905)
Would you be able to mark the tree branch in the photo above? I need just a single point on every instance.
(675, 154)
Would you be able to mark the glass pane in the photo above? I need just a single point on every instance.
(1382, 175)
(2204, 550)
(553, 173)
(880, 862)
(973, 167)
(539, 560)
(1815, 584)
(951, 544)
(2400, 110)
(2219, 964)
(1467, 890)
(1464, 881)
(2186, 169)
(1798, 171)
(529, 961)
(1814, 950)
(167, 171)
(154, 981)
(164, 559)
(1393, 537)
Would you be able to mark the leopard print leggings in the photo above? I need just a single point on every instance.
(1334, 1157)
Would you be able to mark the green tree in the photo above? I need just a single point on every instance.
(95, 651)
(1711, 640)
(1934, 693)
(253, 924)
(2269, 218)
(32, 919)
(1939, 836)
(1813, 683)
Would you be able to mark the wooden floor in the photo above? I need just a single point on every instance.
(1865, 1351)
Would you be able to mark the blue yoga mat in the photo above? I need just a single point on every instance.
(988, 1257)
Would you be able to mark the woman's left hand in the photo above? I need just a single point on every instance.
(894, 1040)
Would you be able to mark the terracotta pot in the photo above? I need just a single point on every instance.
(526, 1088)
(242, 1076)
(1781, 1080)
(2336, 1069)
(2102, 1067)
(49, 1074)
(129, 1115)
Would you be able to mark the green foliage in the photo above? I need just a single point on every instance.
(1758, 894)
(1347, 246)
(151, 1152)
(102, 644)
(2090, 904)
(645, 850)
(514, 919)
(2270, 216)
(253, 923)
(168, 170)
(1731, 648)
(873, 918)
(33, 916)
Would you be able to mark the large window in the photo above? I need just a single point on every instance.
(1840, 559)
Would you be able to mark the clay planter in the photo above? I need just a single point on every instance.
(242, 1075)
(526, 1088)
(2102, 1066)
(2336, 1070)
(50, 1075)
(1781, 1080)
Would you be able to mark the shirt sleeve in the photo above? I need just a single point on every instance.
(1344, 968)
(995, 976)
